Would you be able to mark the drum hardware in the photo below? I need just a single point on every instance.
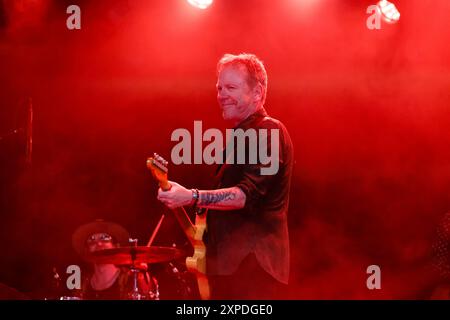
(135, 294)
(135, 255)
(133, 258)
(69, 298)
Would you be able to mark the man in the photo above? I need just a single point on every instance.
(107, 281)
(247, 239)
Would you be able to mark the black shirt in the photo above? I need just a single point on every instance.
(261, 226)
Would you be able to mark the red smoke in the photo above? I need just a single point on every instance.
(367, 111)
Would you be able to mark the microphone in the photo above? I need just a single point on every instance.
(29, 132)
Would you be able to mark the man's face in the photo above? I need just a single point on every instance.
(99, 241)
(234, 95)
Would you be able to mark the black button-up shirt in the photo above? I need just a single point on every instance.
(261, 226)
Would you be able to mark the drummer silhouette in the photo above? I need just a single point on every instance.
(107, 281)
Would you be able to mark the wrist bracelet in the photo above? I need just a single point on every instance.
(195, 197)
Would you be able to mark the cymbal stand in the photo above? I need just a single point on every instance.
(135, 294)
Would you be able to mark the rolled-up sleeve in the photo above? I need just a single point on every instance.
(253, 183)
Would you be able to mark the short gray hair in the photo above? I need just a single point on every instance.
(255, 68)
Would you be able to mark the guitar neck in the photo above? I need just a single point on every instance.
(194, 233)
(185, 222)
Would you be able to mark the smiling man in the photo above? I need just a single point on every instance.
(247, 239)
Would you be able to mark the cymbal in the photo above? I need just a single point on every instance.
(135, 255)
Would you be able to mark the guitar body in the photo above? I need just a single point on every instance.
(197, 263)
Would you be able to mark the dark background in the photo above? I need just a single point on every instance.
(367, 110)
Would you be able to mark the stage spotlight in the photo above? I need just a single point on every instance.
(201, 4)
(388, 11)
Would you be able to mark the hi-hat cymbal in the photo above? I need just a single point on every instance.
(135, 255)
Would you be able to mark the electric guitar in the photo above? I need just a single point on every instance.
(194, 232)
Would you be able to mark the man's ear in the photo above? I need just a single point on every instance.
(258, 92)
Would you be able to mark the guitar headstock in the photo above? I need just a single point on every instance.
(158, 168)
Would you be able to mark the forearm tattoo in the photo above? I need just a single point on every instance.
(216, 196)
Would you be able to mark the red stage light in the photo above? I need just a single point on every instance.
(388, 11)
(201, 4)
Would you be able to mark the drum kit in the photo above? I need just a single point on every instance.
(124, 270)
(134, 255)
(133, 258)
